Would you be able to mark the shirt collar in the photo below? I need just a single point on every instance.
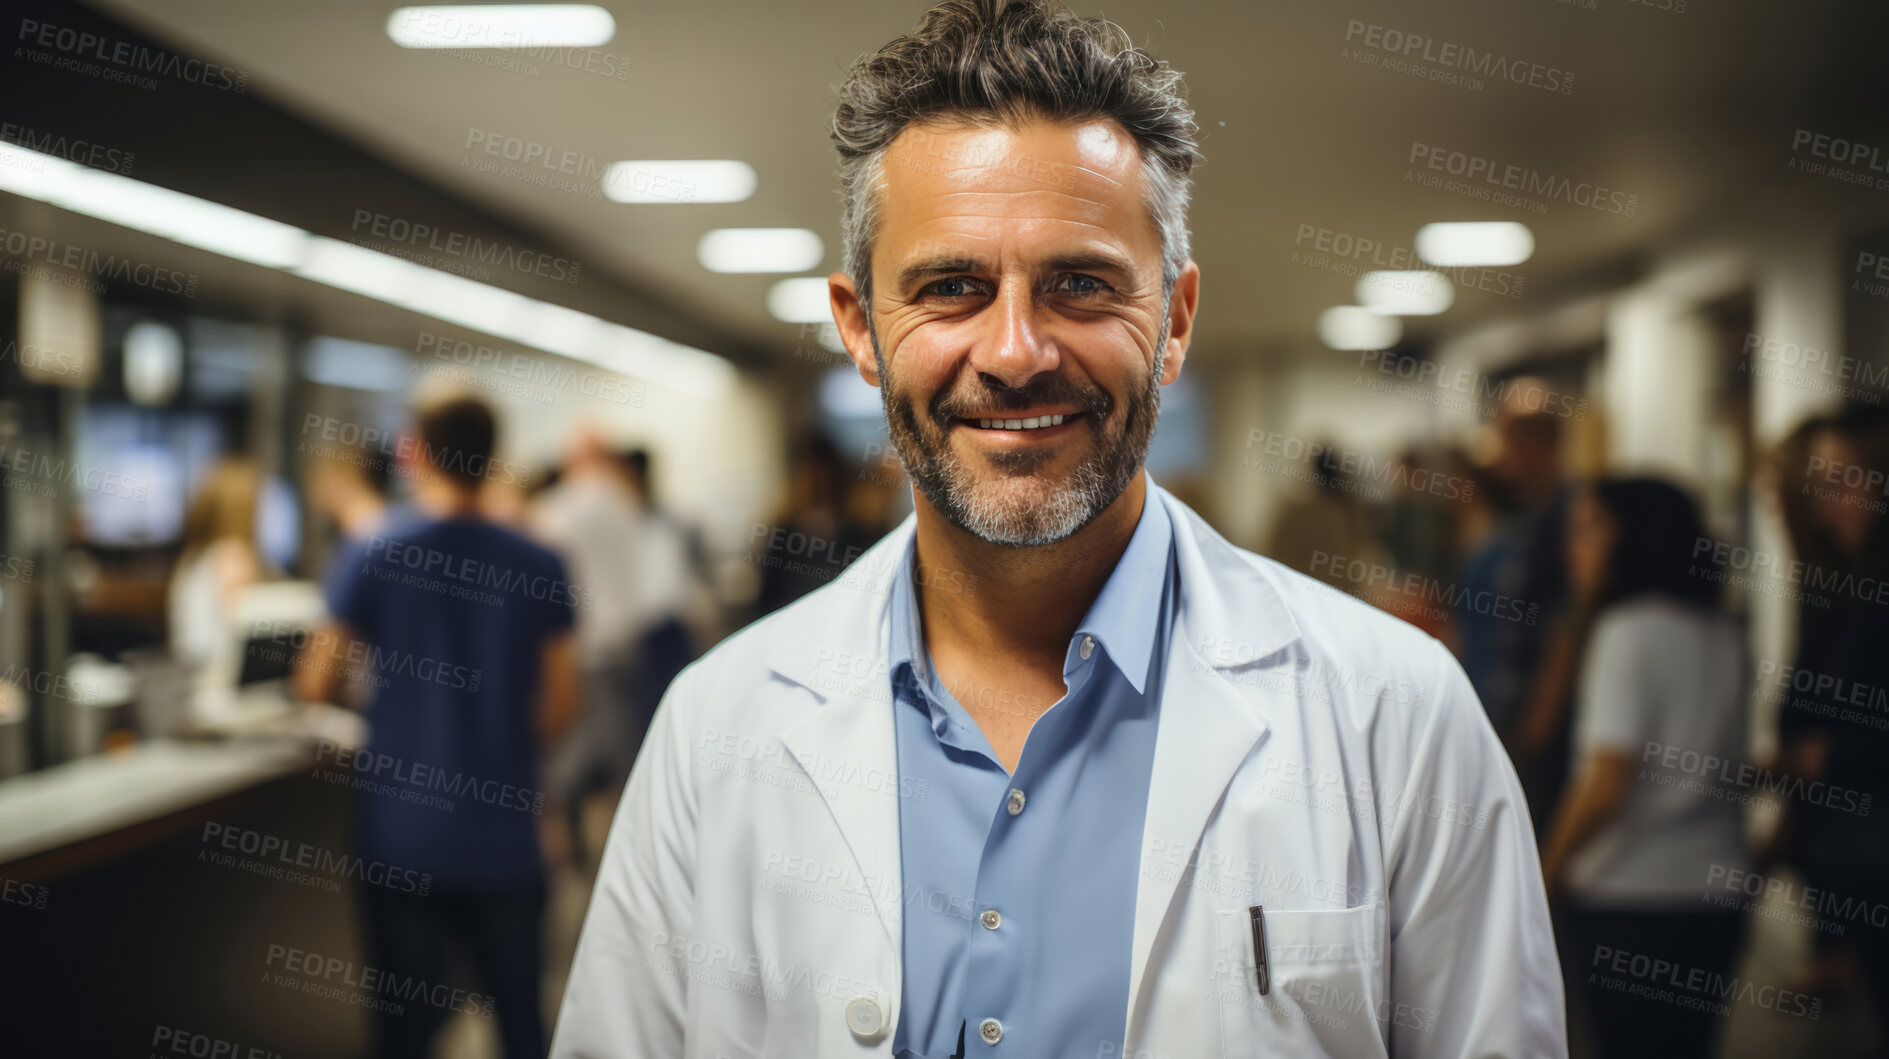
(1125, 618)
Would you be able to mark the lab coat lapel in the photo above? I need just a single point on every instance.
(850, 734)
(1207, 726)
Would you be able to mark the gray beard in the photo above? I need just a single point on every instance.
(1006, 511)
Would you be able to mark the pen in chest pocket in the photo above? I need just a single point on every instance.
(1260, 970)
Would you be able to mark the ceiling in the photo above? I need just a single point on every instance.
(1691, 111)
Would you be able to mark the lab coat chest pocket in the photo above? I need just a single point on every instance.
(1326, 982)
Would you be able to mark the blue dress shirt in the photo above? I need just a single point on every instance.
(1019, 890)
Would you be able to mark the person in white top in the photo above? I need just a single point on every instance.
(1642, 840)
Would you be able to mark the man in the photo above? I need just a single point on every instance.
(1054, 770)
(463, 628)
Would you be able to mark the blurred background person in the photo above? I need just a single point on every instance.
(1837, 528)
(812, 536)
(593, 519)
(667, 594)
(1664, 666)
(344, 487)
(469, 686)
(218, 561)
(1521, 559)
(1323, 524)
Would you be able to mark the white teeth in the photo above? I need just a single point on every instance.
(1021, 424)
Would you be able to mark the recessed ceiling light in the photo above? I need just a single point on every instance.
(501, 26)
(687, 180)
(1475, 243)
(760, 250)
(1405, 293)
(1354, 327)
(801, 301)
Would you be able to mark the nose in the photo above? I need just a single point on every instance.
(1014, 348)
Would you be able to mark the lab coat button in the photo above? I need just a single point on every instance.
(1016, 801)
(864, 1018)
(991, 1030)
(1087, 648)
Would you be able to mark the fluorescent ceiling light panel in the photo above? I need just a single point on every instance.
(443, 296)
(501, 26)
(1485, 244)
(1355, 327)
(760, 250)
(1405, 293)
(801, 301)
(679, 180)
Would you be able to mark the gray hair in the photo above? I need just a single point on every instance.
(984, 60)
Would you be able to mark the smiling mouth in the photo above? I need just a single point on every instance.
(1027, 423)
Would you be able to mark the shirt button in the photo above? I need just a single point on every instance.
(864, 1018)
(992, 919)
(1016, 801)
(991, 1030)
(1087, 648)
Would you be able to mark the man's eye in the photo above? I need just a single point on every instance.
(1077, 284)
(955, 287)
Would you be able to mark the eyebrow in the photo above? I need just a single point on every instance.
(953, 264)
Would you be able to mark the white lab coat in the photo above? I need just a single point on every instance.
(1314, 756)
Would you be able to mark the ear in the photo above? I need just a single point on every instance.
(1180, 322)
(850, 317)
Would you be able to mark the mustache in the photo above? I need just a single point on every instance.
(993, 399)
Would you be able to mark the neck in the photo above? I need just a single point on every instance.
(1027, 601)
(440, 497)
